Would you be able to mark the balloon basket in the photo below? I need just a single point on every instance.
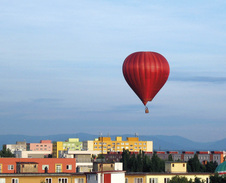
(146, 110)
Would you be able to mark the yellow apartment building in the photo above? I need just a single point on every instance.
(105, 145)
(57, 146)
(166, 177)
(43, 178)
(72, 144)
(138, 177)
(172, 169)
(145, 177)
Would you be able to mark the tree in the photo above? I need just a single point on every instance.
(170, 157)
(198, 180)
(139, 162)
(178, 179)
(194, 165)
(100, 157)
(211, 166)
(6, 152)
(216, 178)
(157, 164)
(125, 159)
(133, 163)
(146, 163)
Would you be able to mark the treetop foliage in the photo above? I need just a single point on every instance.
(6, 153)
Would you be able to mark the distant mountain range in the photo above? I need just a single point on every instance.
(160, 142)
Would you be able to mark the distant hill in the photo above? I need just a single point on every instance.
(160, 142)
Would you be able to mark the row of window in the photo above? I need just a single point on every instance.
(136, 180)
(100, 143)
(61, 180)
(204, 157)
(77, 148)
(81, 180)
(41, 149)
(122, 147)
(58, 167)
(155, 180)
(72, 145)
(173, 165)
(48, 180)
(118, 150)
(42, 146)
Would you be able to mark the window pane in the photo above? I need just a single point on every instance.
(15, 180)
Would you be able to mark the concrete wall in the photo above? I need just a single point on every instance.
(118, 177)
(149, 146)
(32, 154)
(93, 178)
(176, 167)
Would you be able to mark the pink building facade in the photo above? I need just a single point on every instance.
(44, 145)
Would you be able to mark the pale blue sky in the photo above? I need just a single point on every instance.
(61, 67)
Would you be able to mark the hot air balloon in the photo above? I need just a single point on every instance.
(146, 73)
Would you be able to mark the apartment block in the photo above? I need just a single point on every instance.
(37, 165)
(217, 156)
(43, 178)
(72, 144)
(98, 177)
(44, 145)
(105, 145)
(152, 177)
(83, 159)
(18, 146)
(32, 154)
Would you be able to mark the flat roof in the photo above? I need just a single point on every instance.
(27, 162)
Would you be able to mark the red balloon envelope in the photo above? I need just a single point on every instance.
(146, 73)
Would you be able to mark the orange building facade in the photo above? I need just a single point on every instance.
(37, 165)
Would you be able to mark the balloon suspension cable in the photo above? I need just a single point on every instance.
(146, 109)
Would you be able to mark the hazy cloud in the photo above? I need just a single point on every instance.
(207, 79)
